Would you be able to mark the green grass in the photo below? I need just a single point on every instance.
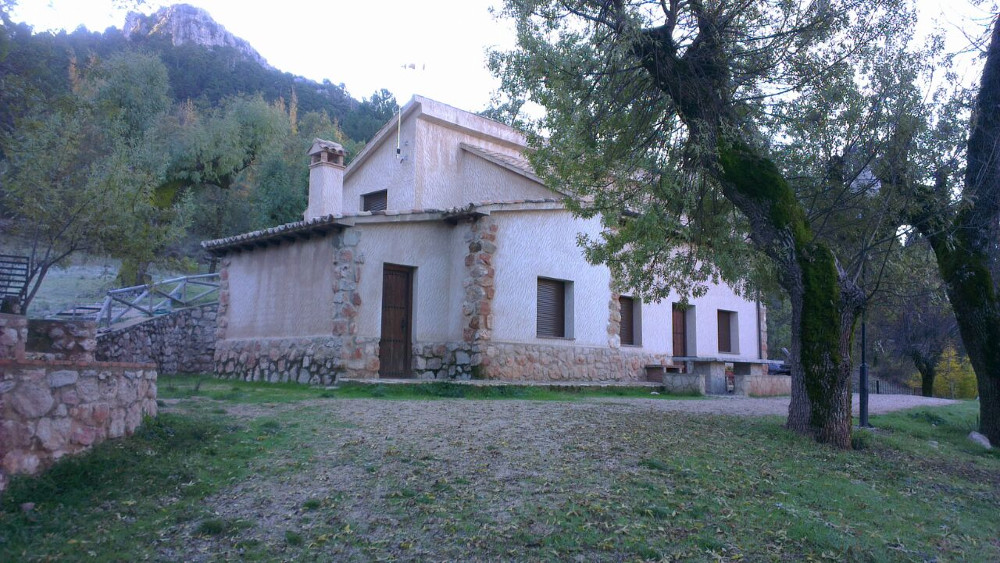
(102, 501)
(185, 387)
(658, 487)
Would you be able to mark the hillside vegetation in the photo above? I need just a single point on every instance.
(135, 148)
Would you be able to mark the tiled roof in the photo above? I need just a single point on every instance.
(327, 223)
(288, 231)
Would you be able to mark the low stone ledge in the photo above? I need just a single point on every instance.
(75, 364)
(763, 385)
(537, 362)
(49, 409)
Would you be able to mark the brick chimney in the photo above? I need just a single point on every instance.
(326, 179)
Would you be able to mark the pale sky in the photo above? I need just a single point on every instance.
(364, 44)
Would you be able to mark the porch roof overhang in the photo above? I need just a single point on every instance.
(299, 230)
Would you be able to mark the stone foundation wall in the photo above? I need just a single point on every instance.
(13, 336)
(62, 340)
(181, 342)
(445, 361)
(534, 362)
(317, 361)
(49, 409)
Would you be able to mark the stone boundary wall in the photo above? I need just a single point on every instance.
(61, 340)
(13, 336)
(181, 342)
(535, 362)
(49, 409)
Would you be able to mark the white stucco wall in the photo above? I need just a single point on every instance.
(543, 244)
(434, 171)
(281, 291)
(382, 170)
(429, 247)
(481, 180)
(449, 176)
(707, 328)
(533, 244)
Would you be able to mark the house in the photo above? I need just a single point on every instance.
(438, 253)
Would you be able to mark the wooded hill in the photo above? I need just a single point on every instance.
(160, 143)
(204, 75)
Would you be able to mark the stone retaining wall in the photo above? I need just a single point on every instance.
(49, 409)
(181, 342)
(533, 362)
(62, 340)
(13, 336)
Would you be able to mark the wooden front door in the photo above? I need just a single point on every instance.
(394, 347)
(680, 331)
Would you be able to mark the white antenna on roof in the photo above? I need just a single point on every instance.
(399, 115)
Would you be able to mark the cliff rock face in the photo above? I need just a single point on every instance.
(184, 24)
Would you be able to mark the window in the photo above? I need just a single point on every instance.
(375, 201)
(728, 335)
(630, 327)
(554, 319)
(680, 328)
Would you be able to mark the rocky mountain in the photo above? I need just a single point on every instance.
(184, 24)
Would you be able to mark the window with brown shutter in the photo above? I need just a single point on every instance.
(680, 330)
(627, 324)
(375, 201)
(551, 320)
(727, 320)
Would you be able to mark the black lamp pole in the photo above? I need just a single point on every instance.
(863, 378)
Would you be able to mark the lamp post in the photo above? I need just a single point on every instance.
(863, 371)
(863, 376)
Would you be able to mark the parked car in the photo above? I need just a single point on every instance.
(778, 367)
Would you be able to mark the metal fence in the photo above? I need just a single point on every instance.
(877, 386)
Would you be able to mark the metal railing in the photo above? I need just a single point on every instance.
(158, 298)
(878, 386)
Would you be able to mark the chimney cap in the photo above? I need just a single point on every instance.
(320, 145)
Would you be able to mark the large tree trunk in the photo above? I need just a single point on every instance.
(962, 245)
(825, 305)
(928, 371)
(973, 297)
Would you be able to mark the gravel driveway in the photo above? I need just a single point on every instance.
(444, 478)
(745, 406)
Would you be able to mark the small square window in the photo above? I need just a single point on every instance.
(375, 201)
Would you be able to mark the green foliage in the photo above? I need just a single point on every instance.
(955, 377)
(158, 145)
